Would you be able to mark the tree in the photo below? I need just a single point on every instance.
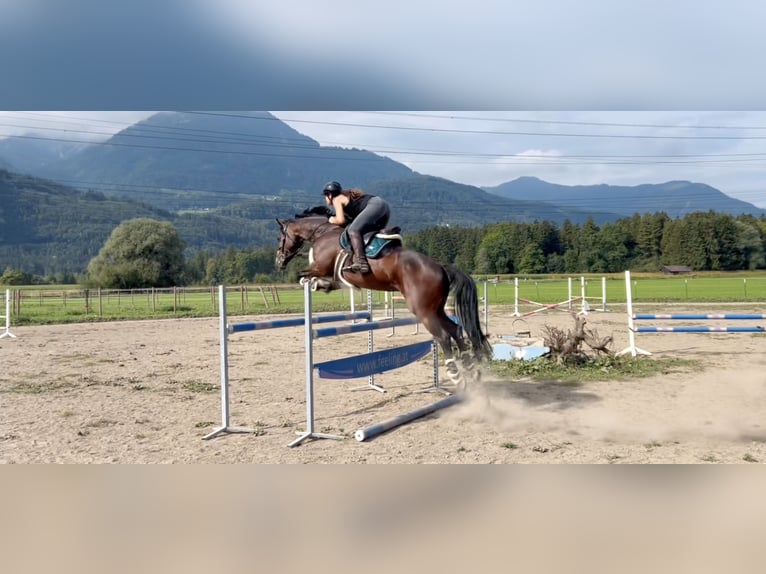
(140, 252)
(649, 234)
(495, 253)
(611, 251)
(15, 277)
(532, 260)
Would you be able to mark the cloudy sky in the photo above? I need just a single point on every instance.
(598, 56)
(724, 149)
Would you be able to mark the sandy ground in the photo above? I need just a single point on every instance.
(148, 392)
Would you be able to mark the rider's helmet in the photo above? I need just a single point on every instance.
(332, 188)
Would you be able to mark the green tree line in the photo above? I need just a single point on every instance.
(704, 241)
(145, 252)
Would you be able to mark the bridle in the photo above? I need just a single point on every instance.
(297, 241)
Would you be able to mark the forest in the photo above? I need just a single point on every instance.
(704, 241)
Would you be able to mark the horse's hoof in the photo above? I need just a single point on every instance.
(454, 374)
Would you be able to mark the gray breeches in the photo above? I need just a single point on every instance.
(374, 217)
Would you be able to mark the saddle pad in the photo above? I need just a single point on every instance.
(374, 246)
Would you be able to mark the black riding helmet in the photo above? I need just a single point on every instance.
(332, 188)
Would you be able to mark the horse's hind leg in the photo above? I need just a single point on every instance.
(468, 361)
(446, 332)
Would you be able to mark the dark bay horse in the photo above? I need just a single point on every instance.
(423, 282)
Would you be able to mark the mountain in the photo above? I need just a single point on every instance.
(676, 198)
(36, 155)
(222, 179)
(194, 161)
(180, 161)
(47, 228)
(424, 201)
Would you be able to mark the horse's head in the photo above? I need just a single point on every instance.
(305, 228)
(289, 243)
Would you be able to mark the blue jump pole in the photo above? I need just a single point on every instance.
(297, 321)
(701, 317)
(700, 329)
(363, 327)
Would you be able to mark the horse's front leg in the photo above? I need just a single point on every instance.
(318, 283)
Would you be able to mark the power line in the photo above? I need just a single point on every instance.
(518, 159)
(488, 132)
(205, 138)
(570, 122)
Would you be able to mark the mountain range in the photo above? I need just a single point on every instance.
(676, 198)
(222, 178)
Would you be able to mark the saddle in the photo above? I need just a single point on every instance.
(375, 242)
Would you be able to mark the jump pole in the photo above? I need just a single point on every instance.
(633, 317)
(227, 329)
(7, 332)
(393, 422)
(311, 334)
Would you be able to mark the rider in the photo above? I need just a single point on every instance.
(361, 213)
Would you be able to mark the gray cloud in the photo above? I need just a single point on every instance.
(237, 54)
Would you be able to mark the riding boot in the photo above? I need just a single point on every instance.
(360, 263)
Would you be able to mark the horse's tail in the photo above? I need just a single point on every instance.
(467, 310)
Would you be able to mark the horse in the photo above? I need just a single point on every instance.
(424, 283)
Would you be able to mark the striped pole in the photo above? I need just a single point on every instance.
(633, 317)
(700, 329)
(362, 327)
(297, 321)
(702, 317)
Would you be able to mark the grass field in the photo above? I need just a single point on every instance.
(65, 304)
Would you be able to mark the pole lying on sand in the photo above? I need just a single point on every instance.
(376, 429)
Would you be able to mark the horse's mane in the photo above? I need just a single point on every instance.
(314, 211)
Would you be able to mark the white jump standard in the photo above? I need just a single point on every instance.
(7, 332)
(227, 329)
(359, 365)
(633, 317)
